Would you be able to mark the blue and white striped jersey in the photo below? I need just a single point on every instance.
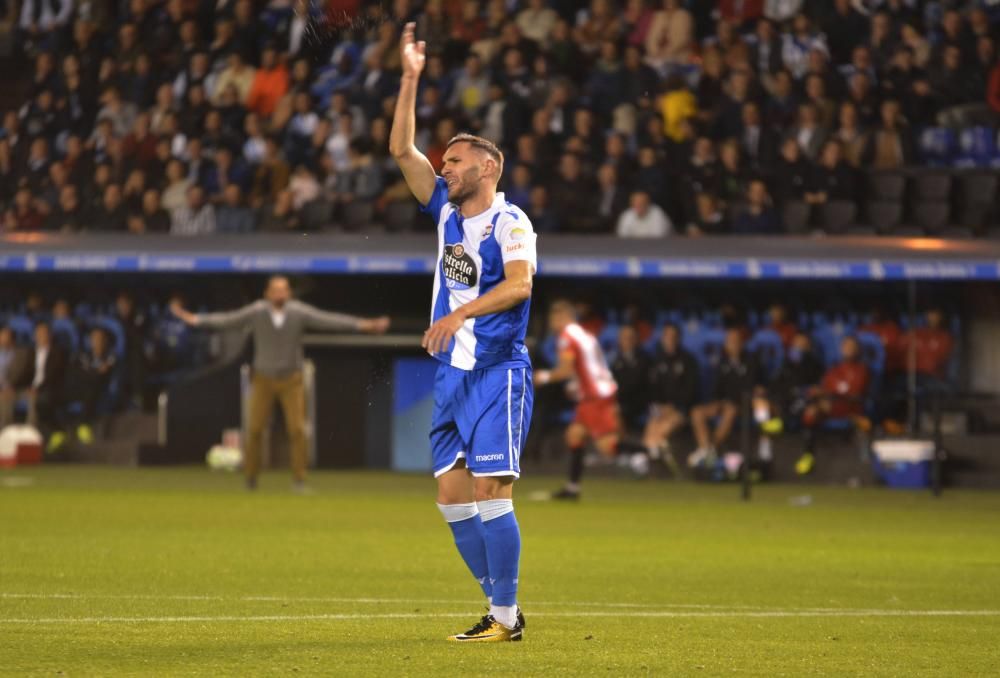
(471, 255)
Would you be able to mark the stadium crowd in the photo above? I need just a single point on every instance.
(637, 117)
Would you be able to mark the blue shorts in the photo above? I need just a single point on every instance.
(481, 416)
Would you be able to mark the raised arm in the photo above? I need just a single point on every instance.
(328, 321)
(417, 169)
(224, 320)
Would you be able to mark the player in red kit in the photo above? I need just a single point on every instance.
(582, 364)
(840, 395)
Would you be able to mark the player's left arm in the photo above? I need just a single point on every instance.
(328, 321)
(513, 290)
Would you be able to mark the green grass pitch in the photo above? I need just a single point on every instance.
(109, 572)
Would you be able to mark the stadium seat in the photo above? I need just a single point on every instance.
(886, 186)
(317, 214)
(767, 346)
(608, 339)
(65, 333)
(795, 217)
(400, 215)
(837, 215)
(358, 214)
(931, 215)
(884, 215)
(23, 328)
(931, 185)
(872, 352)
(978, 147)
(938, 146)
(706, 347)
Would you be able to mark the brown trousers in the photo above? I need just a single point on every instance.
(290, 392)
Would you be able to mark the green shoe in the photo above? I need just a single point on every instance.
(56, 442)
(804, 465)
(773, 426)
(85, 434)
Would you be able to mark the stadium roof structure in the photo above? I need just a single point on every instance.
(733, 258)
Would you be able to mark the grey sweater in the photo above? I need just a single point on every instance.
(278, 350)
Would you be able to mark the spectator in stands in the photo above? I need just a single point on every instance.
(630, 367)
(572, 196)
(542, 217)
(303, 186)
(272, 175)
(233, 215)
(643, 219)
(674, 382)
(758, 143)
(176, 186)
(92, 375)
(612, 199)
(831, 178)
(24, 214)
(737, 374)
(536, 21)
(708, 218)
(270, 83)
(670, 37)
(840, 395)
(732, 181)
(8, 359)
(757, 217)
(279, 216)
(110, 216)
(890, 146)
(791, 173)
(807, 131)
(68, 215)
(850, 135)
(362, 180)
(150, 217)
(197, 217)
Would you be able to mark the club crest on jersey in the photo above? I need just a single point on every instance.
(487, 231)
(459, 268)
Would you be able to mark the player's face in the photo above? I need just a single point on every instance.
(463, 171)
(558, 319)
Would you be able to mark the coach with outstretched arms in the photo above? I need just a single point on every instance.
(278, 324)
(479, 316)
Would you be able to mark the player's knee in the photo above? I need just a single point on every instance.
(499, 487)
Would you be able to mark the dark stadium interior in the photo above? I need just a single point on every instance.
(134, 130)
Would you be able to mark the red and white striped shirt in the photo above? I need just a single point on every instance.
(593, 377)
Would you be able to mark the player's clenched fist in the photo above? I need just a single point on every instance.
(413, 54)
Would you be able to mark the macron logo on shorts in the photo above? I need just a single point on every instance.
(491, 457)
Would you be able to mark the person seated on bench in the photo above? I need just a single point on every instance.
(840, 395)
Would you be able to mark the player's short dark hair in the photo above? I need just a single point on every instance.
(484, 145)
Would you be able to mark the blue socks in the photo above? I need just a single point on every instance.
(470, 538)
(503, 550)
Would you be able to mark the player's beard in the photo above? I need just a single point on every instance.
(466, 188)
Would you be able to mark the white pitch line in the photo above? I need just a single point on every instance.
(449, 615)
(388, 601)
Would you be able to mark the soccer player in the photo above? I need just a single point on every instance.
(582, 363)
(479, 315)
